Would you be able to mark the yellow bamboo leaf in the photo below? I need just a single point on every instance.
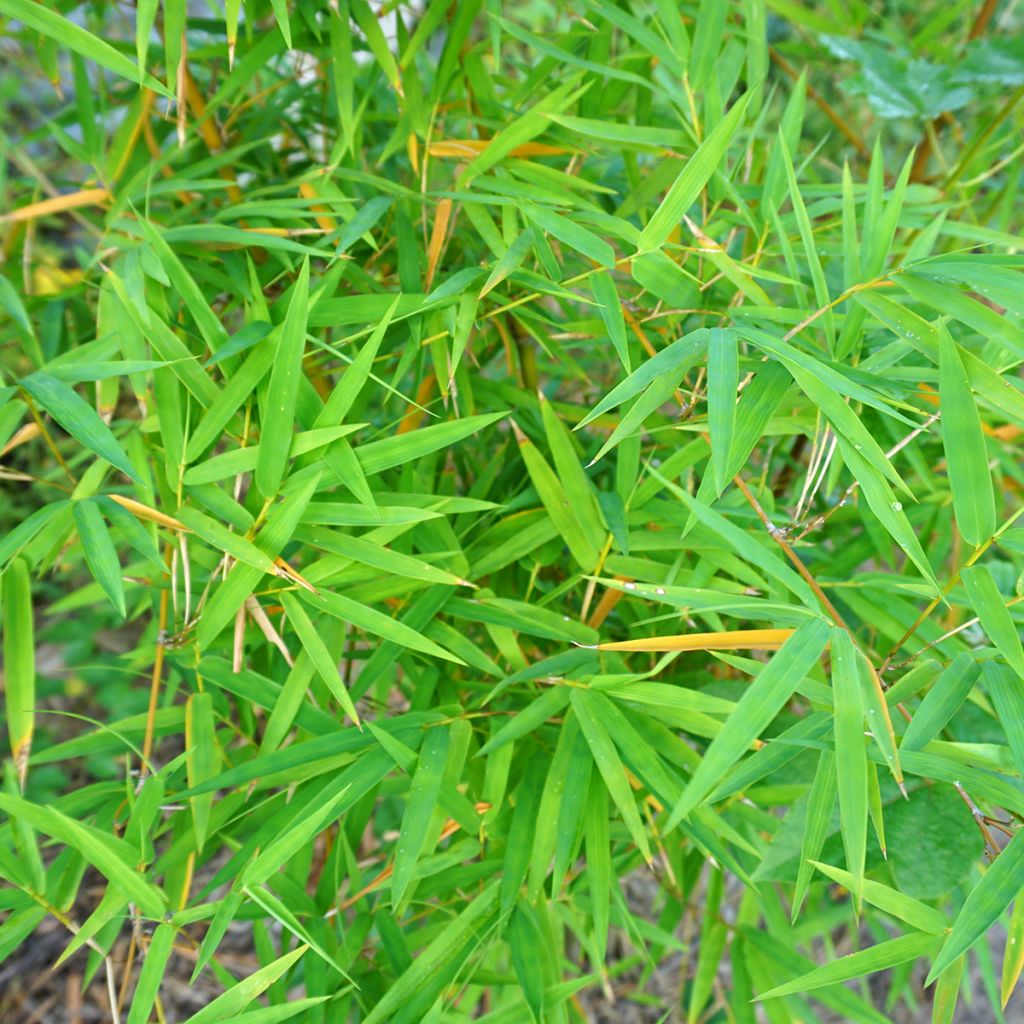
(326, 222)
(58, 204)
(455, 149)
(727, 640)
(437, 236)
(145, 512)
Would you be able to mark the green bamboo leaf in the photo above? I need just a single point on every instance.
(19, 661)
(237, 388)
(10, 302)
(610, 766)
(942, 702)
(673, 359)
(1013, 958)
(610, 307)
(521, 832)
(145, 18)
(761, 702)
(924, 337)
(151, 975)
(631, 422)
(99, 550)
(366, 552)
(376, 456)
(524, 940)
(952, 302)
(111, 857)
(882, 957)
(810, 246)
(224, 540)
(578, 489)
(464, 928)
(366, 19)
(998, 888)
(545, 827)
(78, 418)
(744, 544)
(201, 758)
(243, 460)
(226, 1008)
(363, 617)
(538, 711)
(563, 512)
(851, 756)
(224, 507)
(210, 327)
(347, 390)
(314, 646)
(243, 579)
(713, 935)
(280, 9)
(569, 831)
(821, 801)
(574, 235)
(288, 843)
(1007, 694)
(693, 177)
(723, 380)
(66, 33)
(947, 992)
(990, 607)
(915, 913)
(599, 861)
(278, 417)
(970, 481)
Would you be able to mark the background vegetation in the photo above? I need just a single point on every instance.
(509, 511)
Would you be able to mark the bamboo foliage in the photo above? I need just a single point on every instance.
(460, 459)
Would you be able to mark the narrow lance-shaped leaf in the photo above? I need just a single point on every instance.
(996, 620)
(291, 841)
(599, 867)
(419, 809)
(314, 646)
(201, 758)
(553, 496)
(426, 966)
(1013, 957)
(610, 307)
(821, 801)
(851, 756)
(19, 661)
(762, 701)
(947, 992)
(279, 416)
(885, 955)
(99, 550)
(942, 702)
(110, 856)
(610, 766)
(575, 235)
(78, 418)
(158, 952)
(578, 488)
(917, 914)
(232, 1002)
(673, 359)
(723, 380)
(998, 888)
(693, 177)
(356, 374)
(970, 481)
(67, 33)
